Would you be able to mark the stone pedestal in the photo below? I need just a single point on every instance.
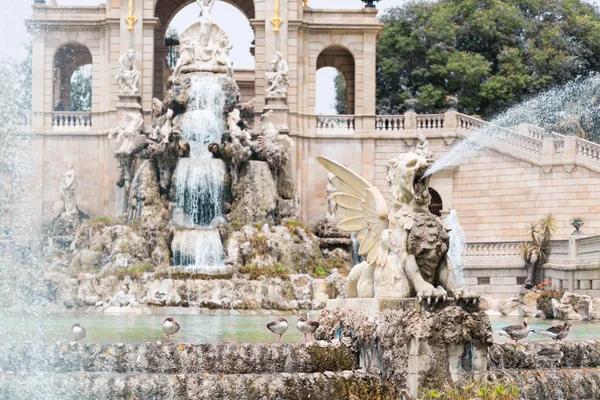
(414, 346)
(280, 110)
(127, 105)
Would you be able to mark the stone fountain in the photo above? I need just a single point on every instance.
(406, 312)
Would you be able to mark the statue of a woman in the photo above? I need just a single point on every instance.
(206, 21)
(67, 191)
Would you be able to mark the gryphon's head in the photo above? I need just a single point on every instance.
(407, 181)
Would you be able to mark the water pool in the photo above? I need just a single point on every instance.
(102, 328)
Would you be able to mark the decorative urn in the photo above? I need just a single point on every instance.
(410, 104)
(452, 103)
(370, 3)
(577, 223)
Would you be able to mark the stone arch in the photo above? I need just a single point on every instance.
(165, 11)
(342, 59)
(436, 205)
(68, 57)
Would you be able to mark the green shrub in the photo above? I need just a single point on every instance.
(544, 302)
(474, 390)
(100, 222)
(134, 272)
(292, 225)
(274, 271)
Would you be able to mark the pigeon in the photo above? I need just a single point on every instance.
(278, 327)
(78, 332)
(170, 327)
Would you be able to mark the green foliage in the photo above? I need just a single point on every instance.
(320, 271)
(259, 245)
(101, 222)
(81, 89)
(548, 292)
(274, 271)
(340, 93)
(292, 225)
(540, 240)
(135, 272)
(489, 53)
(179, 274)
(474, 390)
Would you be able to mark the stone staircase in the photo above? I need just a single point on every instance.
(576, 376)
(153, 371)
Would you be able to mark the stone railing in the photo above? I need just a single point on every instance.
(433, 121)
(72, 121)
(491, 249)
(588, 149)
(389, 123)
(336, 123)
(469, 123)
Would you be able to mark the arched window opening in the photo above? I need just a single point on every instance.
(73, 78)
(335, 82)
(435, 205)
(81, 89)
(232, 16)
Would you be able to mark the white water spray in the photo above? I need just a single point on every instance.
(458, 245)
(576, 98)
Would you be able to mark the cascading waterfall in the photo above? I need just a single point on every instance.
(200, 181)
(458, 245)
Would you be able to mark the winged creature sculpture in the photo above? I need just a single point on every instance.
(405, 245)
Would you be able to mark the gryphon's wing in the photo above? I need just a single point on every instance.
(362, 209)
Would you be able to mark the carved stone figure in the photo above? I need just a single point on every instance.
(205, 46)
(132, 137)
(157, 109)
(206, 21)
(128, 77)
(277, 76)
(406, 246)
(237, 133)
(423, 147)
(331, 206)
(222, 56)
(187, 51)
(164, 128)
(67, 191)
(270, 133)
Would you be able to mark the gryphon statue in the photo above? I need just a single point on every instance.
(406, 246)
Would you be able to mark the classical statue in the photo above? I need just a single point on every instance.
(67, 191)
(157, 109)
(164, 128)
(406, 246)
(237, 133)
(132, 137)
(331, 205)
(205, 47)
(423, 147)
(187, 54)
(277, 76)
(128, 77)
(270, 133)
(222, 56)
(206, 21)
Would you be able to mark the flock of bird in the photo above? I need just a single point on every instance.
(556, 332)
(170, 327)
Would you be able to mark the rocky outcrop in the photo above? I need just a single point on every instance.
(184, 358)
(577, 354)
(574, 306)
(289, 246)
(416, 348)
(240, 293)
(255, 195)
(327, 385)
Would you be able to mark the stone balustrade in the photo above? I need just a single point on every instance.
(500, 249)
(72, 121)
(430, 122)
(329, 123)
(389, 123)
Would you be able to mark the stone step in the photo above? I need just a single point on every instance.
(577, 354)
(553, 384)
(177, 358)
(76, 386)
